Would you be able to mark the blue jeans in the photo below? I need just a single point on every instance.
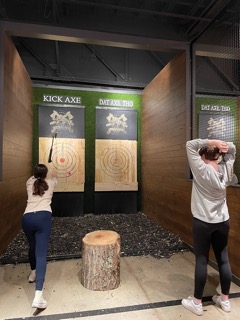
(37, 228)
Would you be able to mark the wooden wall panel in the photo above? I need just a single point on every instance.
(17, 143)
(166, 190)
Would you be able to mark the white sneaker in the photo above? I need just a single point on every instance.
(225, 305)
(38, 301)
(192, 306)
(32, 276)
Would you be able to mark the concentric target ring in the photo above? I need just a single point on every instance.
(64, 160)
(116, 161)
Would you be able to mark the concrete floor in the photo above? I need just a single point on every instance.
(150, 289)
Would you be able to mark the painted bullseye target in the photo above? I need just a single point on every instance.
(64, 160)
(116, 161)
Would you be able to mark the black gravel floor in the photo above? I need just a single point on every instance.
(139, 237)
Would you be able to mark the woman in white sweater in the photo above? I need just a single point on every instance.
(36, 223)
(211, 163)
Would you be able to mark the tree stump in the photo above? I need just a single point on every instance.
(101, 260)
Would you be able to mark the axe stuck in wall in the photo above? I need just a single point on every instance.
(50, 152)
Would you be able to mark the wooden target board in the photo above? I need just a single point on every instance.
(116, 165)
(116, 149)
(62, 145)
(67, 164)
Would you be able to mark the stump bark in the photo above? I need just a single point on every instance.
(101, 260)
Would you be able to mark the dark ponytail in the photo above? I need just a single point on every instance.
(210, 152)
(40, 185)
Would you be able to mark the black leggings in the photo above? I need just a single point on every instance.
(204, 235)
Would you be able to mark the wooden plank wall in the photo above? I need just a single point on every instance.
(17, 143)
(166, 190)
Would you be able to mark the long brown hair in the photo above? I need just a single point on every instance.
(40, 185)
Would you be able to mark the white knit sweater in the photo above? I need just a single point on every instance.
(39, 203)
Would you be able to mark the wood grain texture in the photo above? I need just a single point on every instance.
(101, 260)
(68, 162)
(116, 165)
(17, 144)
(166, 190)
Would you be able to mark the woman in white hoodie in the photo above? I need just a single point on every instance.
(211, 163)
(36, 223)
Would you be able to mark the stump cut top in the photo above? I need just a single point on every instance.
(101, 237)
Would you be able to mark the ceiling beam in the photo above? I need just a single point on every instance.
(221, 73)
(136, 10)
(57, 52)
(40, 59)
(211, 11)
(92, 37)
(208, 50)
(157, 59)
(104, 62)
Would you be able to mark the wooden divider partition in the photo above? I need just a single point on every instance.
(166, 189)
(17, 143)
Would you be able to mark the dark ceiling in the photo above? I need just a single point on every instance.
(122, 43)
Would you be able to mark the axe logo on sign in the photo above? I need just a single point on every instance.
(216, 127)
(67, 122)
(116, 124)
(61, 121)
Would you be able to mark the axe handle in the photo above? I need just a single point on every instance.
(51, 150)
